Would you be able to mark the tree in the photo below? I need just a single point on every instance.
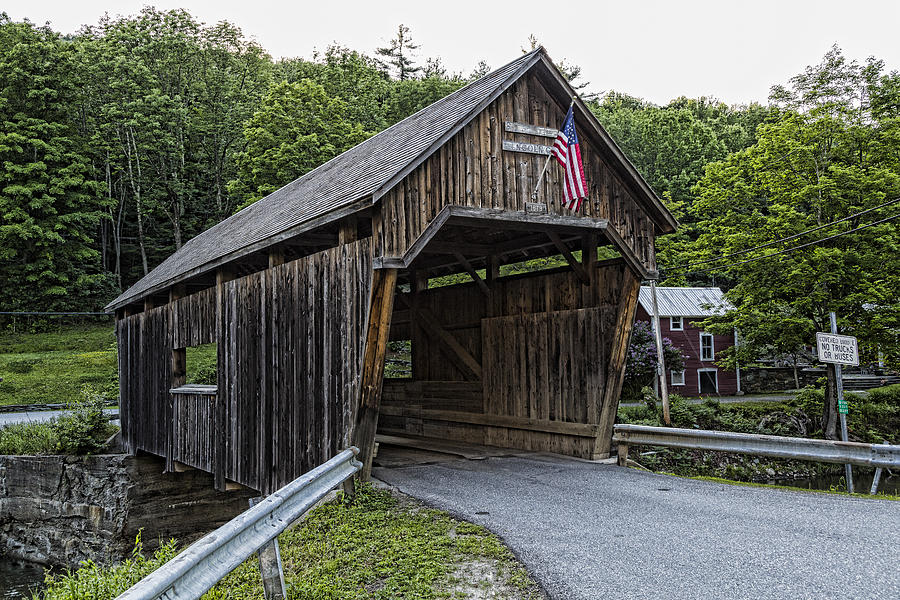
(824, 157)
(399, 54)
(49, 205)
(298, 128)
(642, 360)
(355, 78)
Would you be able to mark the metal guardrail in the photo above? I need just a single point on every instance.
(854, 453)
(199, 567)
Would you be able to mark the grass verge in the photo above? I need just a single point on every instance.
(51, 368)
(878, 496)
(381, 546)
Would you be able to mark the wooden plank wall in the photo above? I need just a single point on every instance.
(145, 371)
(472, 169)
(193, 423)
(544, 341)
(289, 355)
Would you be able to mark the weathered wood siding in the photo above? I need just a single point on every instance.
(291, 357)
(145, 373)
(472, 169)
(289, 352)
(193, 425)
(545, 344)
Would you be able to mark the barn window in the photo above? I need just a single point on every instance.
(201, 364)
(676, 324)
(707, 350)
(677, 377)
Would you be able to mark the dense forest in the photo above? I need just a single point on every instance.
(126, 139)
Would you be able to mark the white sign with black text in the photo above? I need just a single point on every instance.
(838, 349)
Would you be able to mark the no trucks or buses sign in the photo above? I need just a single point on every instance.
(838, 349)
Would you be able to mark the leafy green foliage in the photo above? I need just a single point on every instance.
(49, 204)
(202, 364)
(375, 547)
(298, 128)
(83, 430)
(28, 439)
(823, 156)
(642, 359)
(85, 427)
(99, 582)
(873, 419)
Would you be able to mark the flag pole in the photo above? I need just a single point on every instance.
(537, 185)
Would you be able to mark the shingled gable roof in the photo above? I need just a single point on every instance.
(353, 180)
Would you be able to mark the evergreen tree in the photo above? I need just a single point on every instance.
(399, 54)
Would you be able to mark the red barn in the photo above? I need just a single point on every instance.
(679, 309)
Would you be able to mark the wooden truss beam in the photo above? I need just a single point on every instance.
(472, 273)
(450, 346)
(579, 269)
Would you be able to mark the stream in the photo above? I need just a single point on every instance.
(18, 579)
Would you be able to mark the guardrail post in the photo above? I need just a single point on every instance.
(349, 486)
(622, 453)
(270, 566)
(875, 481)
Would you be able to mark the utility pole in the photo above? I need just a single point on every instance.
(842, 406)
(660, 359)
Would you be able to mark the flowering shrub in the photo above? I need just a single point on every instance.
(640, 365)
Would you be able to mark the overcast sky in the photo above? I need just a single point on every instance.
(657, 50)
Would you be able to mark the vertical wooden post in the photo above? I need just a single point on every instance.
(622, 454)
(589, 254)
(615, 370)
(660, 358)
(349, 230)
(220, 421)
(418, 283)
(381, 306)
(276, 256)
(179, 376)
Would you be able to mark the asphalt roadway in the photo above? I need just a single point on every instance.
(592, 531)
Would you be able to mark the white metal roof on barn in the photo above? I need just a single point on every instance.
(684, 301)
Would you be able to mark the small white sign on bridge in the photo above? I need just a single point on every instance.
(838, 349)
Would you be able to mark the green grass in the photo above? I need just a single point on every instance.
(51, 368)
(878, 496)
(377, 547)
(28, 439)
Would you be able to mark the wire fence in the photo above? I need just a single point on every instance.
(43, 321)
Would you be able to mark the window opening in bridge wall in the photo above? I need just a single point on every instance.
(398, 364)
(677, 377)
(201, 364)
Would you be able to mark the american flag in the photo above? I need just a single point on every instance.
(567, 152)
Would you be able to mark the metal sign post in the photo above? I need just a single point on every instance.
(839, 350)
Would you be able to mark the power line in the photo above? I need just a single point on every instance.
(792, 248)
(790, 237)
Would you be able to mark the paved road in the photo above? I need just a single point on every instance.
(37, 416)
(591, 531)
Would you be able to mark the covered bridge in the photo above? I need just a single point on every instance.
(302, 291)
